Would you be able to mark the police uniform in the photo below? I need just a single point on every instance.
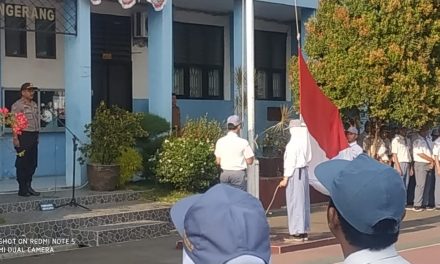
(233, 152)
(27, 151)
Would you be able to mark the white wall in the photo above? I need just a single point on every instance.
(139, 54)
(217, 20)
(282, 28)
(44, 73)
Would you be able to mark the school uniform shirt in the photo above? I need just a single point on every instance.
(233, 152)
(388, 255)
(421, 145)
(400, 147)
(436, 149)
(350, 153)
(298, 152)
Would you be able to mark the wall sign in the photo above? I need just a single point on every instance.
(62, 13)
(31, 12)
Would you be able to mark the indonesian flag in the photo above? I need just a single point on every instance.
(321, 116)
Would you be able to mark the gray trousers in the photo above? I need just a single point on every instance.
(234, 178)
(298, 202)
(423, 184)
(437, 190)
(404, 166)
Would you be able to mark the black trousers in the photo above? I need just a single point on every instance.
(27, 159)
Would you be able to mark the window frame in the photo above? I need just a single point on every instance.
(37, 32)
(17, 31)
(271, 70)
(205, 70)
(37, 99)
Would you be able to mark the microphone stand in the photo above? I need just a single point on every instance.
(75, 141)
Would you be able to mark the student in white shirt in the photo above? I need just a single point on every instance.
(436, 156)
(296, 180)
(233, 154)
(400, 148)
(423, 165)
(363, 215)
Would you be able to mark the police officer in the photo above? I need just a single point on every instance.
(233, 154)
(26, 144)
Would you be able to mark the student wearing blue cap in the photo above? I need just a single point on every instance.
(225, 225)
(366, 208)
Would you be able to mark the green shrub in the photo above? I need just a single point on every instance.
(112, 130)
(188, 162)
(130, 163)
(202, 128)
(158, 129)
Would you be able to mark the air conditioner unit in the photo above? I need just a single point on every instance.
(140, 27)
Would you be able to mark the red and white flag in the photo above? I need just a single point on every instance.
(322, 118)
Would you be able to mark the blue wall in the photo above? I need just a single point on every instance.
(215, 109)
(140, 105)
(51, 155)
(300, 3)
(220, 110)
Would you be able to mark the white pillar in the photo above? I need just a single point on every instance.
(252, 175)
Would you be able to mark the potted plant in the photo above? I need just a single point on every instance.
(111, 131)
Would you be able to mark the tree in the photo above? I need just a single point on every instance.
(380, 56)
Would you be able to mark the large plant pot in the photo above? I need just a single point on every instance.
(102, 177)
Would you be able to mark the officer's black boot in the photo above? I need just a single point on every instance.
(23, 189)
(30, 190)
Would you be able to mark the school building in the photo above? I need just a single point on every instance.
(79, 54)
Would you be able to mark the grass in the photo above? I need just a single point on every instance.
(157, 192)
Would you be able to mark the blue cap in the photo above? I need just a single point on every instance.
(222, 224)
(364, 191)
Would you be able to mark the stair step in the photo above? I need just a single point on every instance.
(15, 204)
(94, 236)
(98, 221)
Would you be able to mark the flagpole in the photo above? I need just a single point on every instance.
(250, 86)
(298, 42)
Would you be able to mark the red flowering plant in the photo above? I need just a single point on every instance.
(17, 121)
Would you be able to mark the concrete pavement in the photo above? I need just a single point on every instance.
(420, 234)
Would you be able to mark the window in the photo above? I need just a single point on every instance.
(45, 39)
(270, 65)
(51, 103)
(15, 36)
(198, 61)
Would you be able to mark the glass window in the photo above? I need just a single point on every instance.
(270, 64)
(198, 61)
(45, 39)
(50, 102)
(15, 36)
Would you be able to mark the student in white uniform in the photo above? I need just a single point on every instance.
(436, 156)
(233, 154)
(296, 180)
(354, 149)
(400, 148)
(363, 215)
(423, 165)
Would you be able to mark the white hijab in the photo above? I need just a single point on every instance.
(298, 151)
